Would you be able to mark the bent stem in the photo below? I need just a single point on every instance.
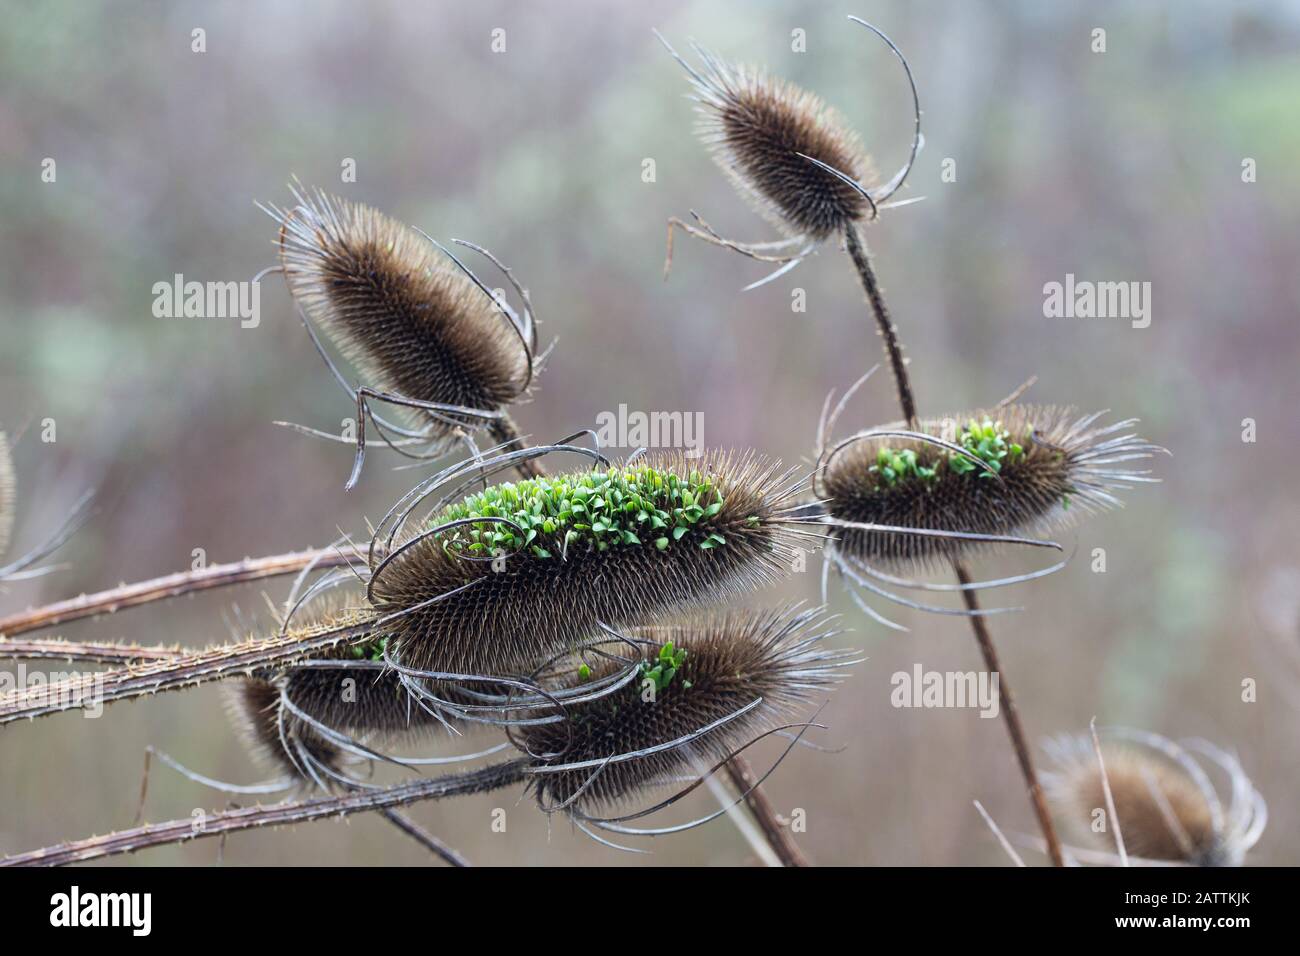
(861, 258)
(483, 780)
(169, 586)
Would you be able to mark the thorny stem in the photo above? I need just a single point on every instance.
(505, 431)
(482, 780)
(188, 670)
(168, 586)
(777, 835)
(857, 250)
(422, 836)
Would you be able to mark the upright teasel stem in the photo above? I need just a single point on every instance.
(888, 331)
(857, 249)
(504, 431)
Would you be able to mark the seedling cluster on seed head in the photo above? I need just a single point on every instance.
(991, 442)
(665, 667)
(615, 508)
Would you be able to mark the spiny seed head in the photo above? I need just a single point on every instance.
(364, 703)
(7, 486)
(620, 546)
(694, 675)
(1167, 809)
(397, 307)
(1048, 468)
(756, 126)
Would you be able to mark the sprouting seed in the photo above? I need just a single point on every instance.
(738, 672)
(899, 500)
(1167, 808)
(425, 333)
(1017, 470)
(493, 584)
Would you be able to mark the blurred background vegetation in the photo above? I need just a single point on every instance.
(1123, 165)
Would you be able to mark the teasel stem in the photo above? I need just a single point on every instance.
(188, 670)
(777, 835)
(167, 586)
(422, 836)
(857, 249)
(504, 431)
(90, 652)
(483, 780)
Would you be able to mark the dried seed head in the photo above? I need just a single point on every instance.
(398, 308)
(694, 675)
(756, 126)
(7, 485)
(1046, 469)
(362, 702)
(1167, 809)
(619, 547)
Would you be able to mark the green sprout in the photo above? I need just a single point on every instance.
(989, 442)
(895, 466)
(666, 666)
(600, 510)
(370, 650)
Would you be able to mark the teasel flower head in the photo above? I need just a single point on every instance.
(1167, 808)
(425, 333)
(705, 689)
(314, 719)
(792, 157)
(500, 580)
(985, 477)
(899, 499)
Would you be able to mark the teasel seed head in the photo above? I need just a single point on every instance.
(740, 671)
(312, 721)
(1046, 468)
(759, 129)
(402, 311)
(517, 573)
(1168, 809)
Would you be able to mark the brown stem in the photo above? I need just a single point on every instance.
(168, 586)
(90, 652)
(1014, 727)
(188, 670)
(777, 834)
(504, 430)
(884, 324)
(857, 250)
(482, 780)
(422, 836)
